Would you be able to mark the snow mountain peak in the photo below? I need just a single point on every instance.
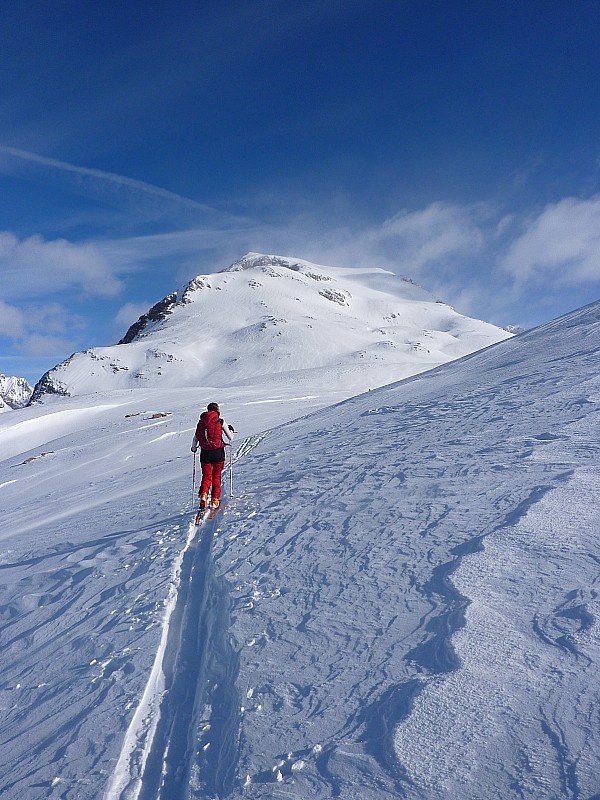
(276, 317)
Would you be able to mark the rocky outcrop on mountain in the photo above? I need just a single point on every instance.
(14, 392)
(157, 313)
(49, 383)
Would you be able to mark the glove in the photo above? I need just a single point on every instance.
(194, 449)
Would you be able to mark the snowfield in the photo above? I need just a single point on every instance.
(400, 599)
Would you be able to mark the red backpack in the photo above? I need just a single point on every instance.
(209, 432)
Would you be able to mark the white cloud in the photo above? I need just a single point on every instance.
(54, 318)
(423, 238)
(561, 245)
(419, 243)
(12, 321)
(34, 267)
(38, 344)
(40, 330)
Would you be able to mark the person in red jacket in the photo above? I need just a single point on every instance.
(209, 437)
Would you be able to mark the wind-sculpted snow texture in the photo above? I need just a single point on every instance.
(400, 601)
(366, 673)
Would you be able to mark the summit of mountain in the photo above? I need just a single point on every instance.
(276, 318)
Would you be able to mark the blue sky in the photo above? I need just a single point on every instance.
(142, 144)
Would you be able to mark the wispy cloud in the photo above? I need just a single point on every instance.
(97, 182)
(173, 244)
(425, 245)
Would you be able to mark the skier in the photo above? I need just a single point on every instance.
(210, 433)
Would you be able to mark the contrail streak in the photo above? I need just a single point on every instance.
(110, 178)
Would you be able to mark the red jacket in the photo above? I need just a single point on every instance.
(209, 432)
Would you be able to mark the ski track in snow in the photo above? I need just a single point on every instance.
(192, 682)
(131, 766)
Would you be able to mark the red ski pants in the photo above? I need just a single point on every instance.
(211, 477)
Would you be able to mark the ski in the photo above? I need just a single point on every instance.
(203, 513)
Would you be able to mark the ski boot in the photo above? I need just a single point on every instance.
(202, 509)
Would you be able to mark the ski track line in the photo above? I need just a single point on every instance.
(163, 436)
(249, 444)
(126, 782)
(200, 671)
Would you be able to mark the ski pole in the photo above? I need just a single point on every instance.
(194, 481)
(230, 471)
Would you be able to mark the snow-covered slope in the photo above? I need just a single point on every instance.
(14, 392)
(268, 316)
(401, 599)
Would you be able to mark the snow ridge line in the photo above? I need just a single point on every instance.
(126, 782)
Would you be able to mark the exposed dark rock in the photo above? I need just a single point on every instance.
(158, 311)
